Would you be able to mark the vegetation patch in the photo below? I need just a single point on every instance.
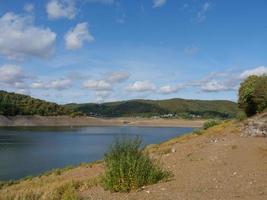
(170, 108)
(128, 167)
(253, 95)
(210, 123)
(67, 191)
(17, 104)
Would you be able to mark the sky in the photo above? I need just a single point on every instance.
(81, 51)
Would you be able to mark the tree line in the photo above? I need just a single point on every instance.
(12, 104)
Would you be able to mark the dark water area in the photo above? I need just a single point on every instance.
(31, 151)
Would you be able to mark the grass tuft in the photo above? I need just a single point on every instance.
(67, 191)
(128, 167)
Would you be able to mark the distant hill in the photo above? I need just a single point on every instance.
(160, 108)
(17, 104)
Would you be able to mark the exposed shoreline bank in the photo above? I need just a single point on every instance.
(61, 121)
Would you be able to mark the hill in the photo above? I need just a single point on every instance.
(160, 108)
(12, 104)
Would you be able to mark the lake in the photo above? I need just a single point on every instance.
(31, 151)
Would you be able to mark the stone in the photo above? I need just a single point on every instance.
(255, 126)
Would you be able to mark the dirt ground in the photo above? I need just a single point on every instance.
(218, 164)
(92, 121)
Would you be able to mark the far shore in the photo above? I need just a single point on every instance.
(45, 121)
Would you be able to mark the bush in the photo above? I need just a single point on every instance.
(129, 168)
(253, 94)
(210, 123)
(241, 115)
(198, 132)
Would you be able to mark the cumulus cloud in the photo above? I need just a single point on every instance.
(19, 38)
(256, 71)
(75, 37)
(102, 95)
(158, 3)
(60, 84)
(214, 86)
(97, 85)
(61, 9)
(201, 15)
(168, 89)
(103, 88)
(13, 76)
(28, 7)
(225, 81)
(117, 77)
(141, 86)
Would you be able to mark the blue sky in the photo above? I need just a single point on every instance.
(107, 50)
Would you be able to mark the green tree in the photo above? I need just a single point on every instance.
(253, 94)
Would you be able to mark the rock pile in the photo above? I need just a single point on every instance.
(256, 126)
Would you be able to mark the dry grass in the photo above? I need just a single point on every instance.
(165, 147)
(55, 185)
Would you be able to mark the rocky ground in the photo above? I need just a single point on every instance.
(255, 126)
(215, 164)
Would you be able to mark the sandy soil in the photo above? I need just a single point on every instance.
(91, 121)
(219, 164)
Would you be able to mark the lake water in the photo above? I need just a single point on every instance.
(31, 151)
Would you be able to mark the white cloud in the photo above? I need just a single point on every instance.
(158, 3)
(226, 81)
(201, 15)
(11, 74)
(117, 77)
(168, 89)
(141, 86)
(60, 84)
(61, 9)
(75, 37)
(19, 38)
(28, 7)
(256, 71)
(214, 86)
(97, 85)
(103, 88)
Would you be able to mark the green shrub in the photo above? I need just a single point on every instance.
(198, 132)
(241, 115)
(128, 167)
(210, 123)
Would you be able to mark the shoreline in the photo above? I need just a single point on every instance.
(189, 158)
(66, 121)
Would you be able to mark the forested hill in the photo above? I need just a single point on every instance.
(161, 108)
(17, 104)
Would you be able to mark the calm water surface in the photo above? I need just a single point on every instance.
(31, 151)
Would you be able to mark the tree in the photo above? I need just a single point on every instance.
(253, 94)
(260, 94)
